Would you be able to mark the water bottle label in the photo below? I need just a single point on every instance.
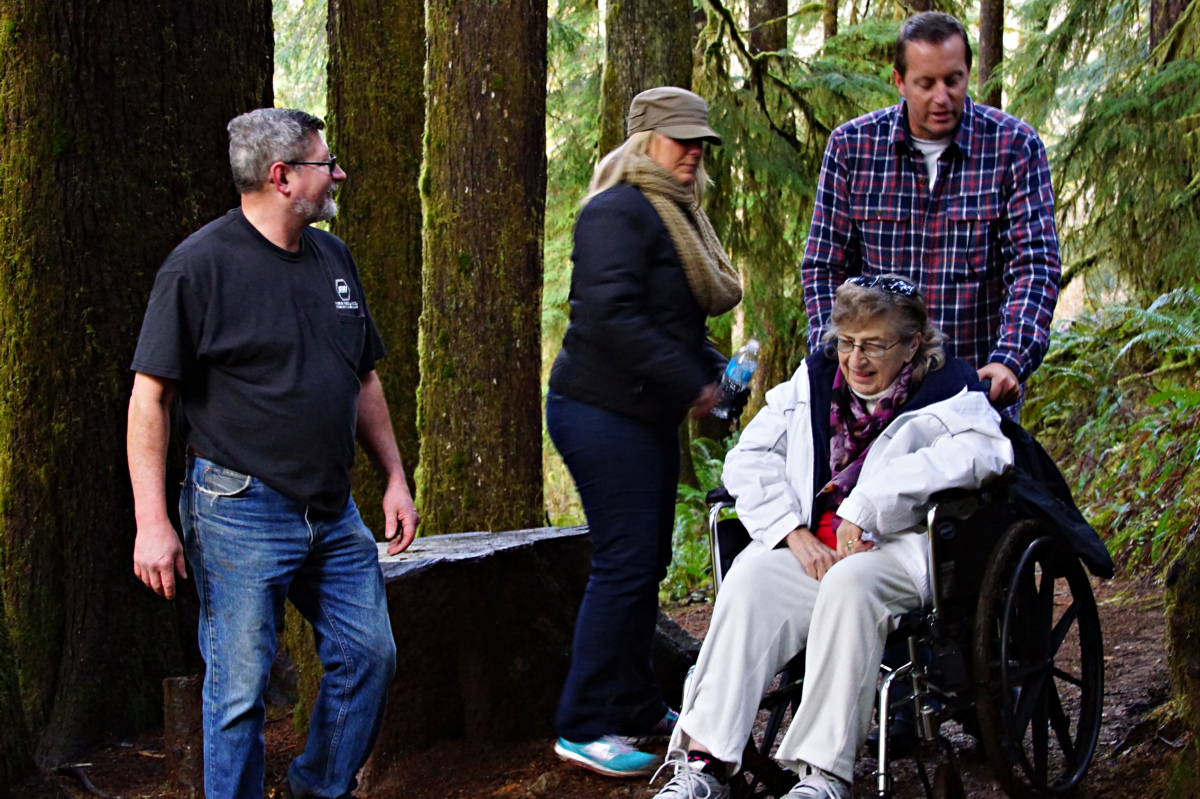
(739, 373)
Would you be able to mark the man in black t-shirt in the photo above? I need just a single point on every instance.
(258, 324)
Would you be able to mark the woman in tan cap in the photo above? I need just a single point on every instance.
(648, 271)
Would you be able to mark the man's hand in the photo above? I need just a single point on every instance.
(399, 512)
(1006, 389)
(849, 537)
(707, 400)
(158, 557)
(815, 557)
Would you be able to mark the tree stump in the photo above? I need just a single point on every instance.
(483, 624)
(183, 735)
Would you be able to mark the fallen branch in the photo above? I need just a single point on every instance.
(76, 770)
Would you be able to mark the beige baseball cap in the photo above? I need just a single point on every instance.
(672, 112)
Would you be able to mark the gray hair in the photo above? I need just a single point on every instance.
(261, 137)
(905, 314)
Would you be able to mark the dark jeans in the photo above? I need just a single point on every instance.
(627, 474)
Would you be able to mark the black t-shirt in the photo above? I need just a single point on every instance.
(267, 347)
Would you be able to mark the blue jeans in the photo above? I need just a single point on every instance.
(627, 473)
(250, 548)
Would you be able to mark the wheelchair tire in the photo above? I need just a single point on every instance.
(1038, 665)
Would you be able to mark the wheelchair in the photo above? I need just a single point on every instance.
(1010, 648)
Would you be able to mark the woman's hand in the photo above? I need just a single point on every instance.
(849, 536)
(815, 557)
(706, 401)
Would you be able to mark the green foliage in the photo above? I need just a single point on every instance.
(301, 54)
(691, 565)
(1117, 403)
(576, 51)
(775, 112)
(1125, 167)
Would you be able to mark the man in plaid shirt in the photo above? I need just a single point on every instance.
(952, 195)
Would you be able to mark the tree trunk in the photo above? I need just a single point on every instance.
(769, 38)
(648, 43)
(1163, 16)
(991, 49)
(113, 150)
(376, 120)
(15, 762)
(1182, 600)
(830, 19)
(483, 186)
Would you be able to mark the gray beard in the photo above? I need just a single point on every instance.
(312, 212)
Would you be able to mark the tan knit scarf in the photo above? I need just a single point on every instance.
(713, 280)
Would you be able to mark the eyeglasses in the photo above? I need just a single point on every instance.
(892, 285)
(331, 163)
(871, 349)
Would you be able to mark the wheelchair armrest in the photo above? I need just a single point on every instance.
(719, 494)
(962, 502)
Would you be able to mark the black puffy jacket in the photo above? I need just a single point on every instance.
(637, 343)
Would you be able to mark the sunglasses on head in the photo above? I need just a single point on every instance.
(892, 285)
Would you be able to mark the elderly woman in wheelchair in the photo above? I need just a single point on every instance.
(832, 480)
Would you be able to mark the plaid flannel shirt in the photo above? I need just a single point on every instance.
(981, 245)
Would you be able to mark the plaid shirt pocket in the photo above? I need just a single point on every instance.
(972, 241)
(882, 221)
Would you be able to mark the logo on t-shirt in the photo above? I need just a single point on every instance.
(344, 303)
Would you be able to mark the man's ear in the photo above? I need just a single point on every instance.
(278, 177)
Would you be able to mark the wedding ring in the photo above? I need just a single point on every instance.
(850, 544)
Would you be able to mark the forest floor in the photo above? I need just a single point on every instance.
(1131, 763)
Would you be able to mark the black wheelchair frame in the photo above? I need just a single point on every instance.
(1010, 648)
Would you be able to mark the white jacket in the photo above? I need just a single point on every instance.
(954, 443)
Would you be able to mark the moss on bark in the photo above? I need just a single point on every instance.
(15, 762)
(1182, 600)
(648, 43)
(376, 120)
(483, 189)
(113, 149)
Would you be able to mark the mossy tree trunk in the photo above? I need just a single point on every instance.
(113, 150)
(15, 762)
(829, 19)
(991, 49)
(1163, 16)
(1182, 599)
(376, 120)
(484, 188)
(648, 43)
(768, 25)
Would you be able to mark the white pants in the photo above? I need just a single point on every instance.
(769, 609)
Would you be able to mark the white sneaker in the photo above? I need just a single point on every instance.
(819, 785)
(688, 782)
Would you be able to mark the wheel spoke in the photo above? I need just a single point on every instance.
(1041, 738)
(1063, 627)
(1021, 673)
(1061, 725)
(1071, 678)
(1027, 703)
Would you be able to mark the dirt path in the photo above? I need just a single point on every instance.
(1136, 681)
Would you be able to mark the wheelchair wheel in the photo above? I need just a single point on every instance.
(1038, 665)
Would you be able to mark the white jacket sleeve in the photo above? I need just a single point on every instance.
(757, 469)
(938, 451)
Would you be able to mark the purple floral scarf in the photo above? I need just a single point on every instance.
(853, 431)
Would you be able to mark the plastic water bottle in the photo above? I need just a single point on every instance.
(737, 377)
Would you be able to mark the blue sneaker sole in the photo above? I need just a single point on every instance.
(581, 761)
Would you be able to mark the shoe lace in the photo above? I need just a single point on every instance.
(683, 780)
(617, 744)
